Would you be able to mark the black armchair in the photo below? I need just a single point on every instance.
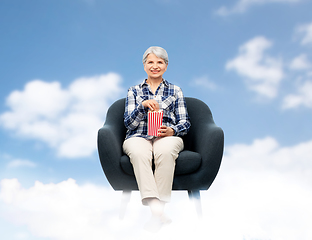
(196, 166)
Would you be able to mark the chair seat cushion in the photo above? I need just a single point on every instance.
(186, 163)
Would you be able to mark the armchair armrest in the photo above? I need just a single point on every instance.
(110, 152)
(209, 143)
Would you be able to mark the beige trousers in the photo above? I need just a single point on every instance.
(164, 151)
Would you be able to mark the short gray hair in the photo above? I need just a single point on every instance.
(158, 51)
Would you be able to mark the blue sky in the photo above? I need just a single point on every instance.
(64, 62)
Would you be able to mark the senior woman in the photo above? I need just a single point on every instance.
(152, 94)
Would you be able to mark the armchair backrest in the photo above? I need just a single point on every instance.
(200, 116)
(198, 111)
(114, 118)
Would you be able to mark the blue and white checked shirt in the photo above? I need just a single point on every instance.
(171, 101)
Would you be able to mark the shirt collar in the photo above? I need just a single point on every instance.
(165, 82)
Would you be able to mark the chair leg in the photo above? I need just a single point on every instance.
(125, 199)
(194, 195)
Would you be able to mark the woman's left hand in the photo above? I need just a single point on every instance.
(165, 131)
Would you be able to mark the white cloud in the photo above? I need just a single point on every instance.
(243, 5)
(300, 62)
(267, 155)
(67, 119)
(302, 98)
(269, 185)
(205, 83)
(60, 211)
(21, 163)
(263, 73)
(305, 31)
(263, 191)
(303, 68)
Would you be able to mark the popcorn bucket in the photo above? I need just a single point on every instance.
(154, 122)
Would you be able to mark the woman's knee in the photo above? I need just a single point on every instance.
(138, 156)
(167, 148)
(137, 146)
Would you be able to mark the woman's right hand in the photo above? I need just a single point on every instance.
(151, 104)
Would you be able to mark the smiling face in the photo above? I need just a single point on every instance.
(155, 67)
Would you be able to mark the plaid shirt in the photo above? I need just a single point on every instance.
(171, 101)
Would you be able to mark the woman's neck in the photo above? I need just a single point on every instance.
(154, 81)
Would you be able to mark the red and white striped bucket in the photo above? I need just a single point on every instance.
(154, 120)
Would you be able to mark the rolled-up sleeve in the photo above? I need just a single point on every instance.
(182, 118)
(134, 111)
